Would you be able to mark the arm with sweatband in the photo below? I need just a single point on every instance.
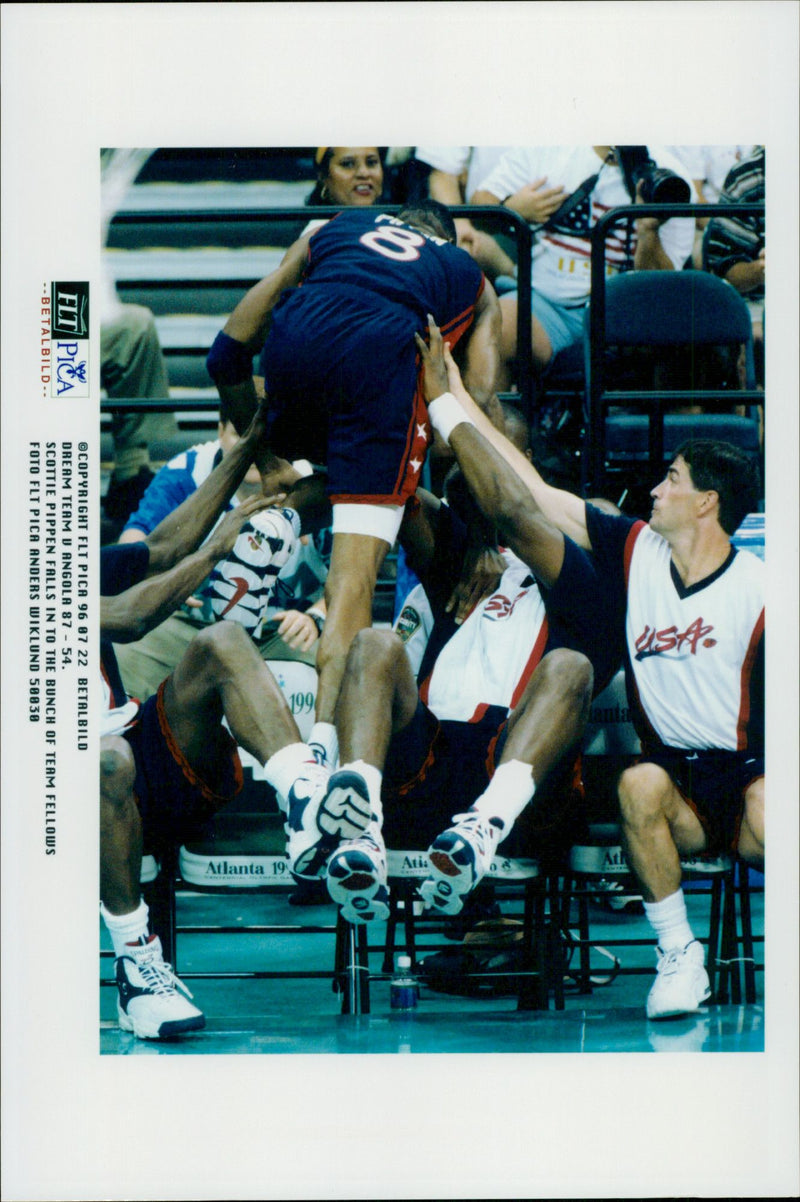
(229, 361)
(445, 413)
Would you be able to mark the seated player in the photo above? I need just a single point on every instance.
(295, 614)
(168, 765)
(341, 370)
(486, 715)
(691, 608)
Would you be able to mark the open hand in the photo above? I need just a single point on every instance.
(228, 530)
(480, 575)
(434, 369)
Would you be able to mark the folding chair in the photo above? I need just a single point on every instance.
(669, 311)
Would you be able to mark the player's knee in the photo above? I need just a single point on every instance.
(571, 674)
(373, 653)
(751, 839)
(220, 647)
(641, 791)
(117, 769)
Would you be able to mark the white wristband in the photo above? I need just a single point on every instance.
(445, 413)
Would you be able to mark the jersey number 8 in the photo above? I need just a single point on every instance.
(395, 243)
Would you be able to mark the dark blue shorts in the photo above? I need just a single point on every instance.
(174, 802)
(435, 770)
(713, 784)
(344, 390)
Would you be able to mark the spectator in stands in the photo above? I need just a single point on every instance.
(562, 191)
(168, 765)
(295, 614)
(132, 363)
(733, 246)
(427, 713)
(455, 172)
(368, 280)
(708, 167)
(347, 175)
(692, 610)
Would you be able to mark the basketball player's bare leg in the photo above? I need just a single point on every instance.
(378, 697)
(549, 719)
(657, 828)
(751, 833)
(222, 674)
(356, 560)
(120, 828)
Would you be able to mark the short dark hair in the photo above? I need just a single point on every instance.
(729, 471)
(433, 215)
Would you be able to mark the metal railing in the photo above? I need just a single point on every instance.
(511, 222)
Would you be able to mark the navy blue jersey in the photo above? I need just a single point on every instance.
(398, 263)
(340, 363)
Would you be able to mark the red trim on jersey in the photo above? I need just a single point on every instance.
(630, 542)
(407, 479)
(453, 330)
(480, 710)
(342, 498)
(747, 671)
(533, 661)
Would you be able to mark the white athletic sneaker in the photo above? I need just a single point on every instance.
(357, 877)
(681, 982)
(459, 858)
(306, 846)
(152, 1002)
(323, 809)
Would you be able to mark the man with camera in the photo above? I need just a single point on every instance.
(562, 191)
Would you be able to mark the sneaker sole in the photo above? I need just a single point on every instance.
(677, 1011)
(448, 883)
(343, 820)
(357, 888)
(165, 1030)
(342, 817)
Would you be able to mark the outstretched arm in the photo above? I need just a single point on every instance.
(128, 616)
(182, 530)
(563, 509)
(230, 359)
(503, 497)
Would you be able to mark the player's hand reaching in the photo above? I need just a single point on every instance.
(227, 531)
(483, 567)
(434, 369)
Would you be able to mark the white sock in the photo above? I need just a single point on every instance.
(323, 735)
(374, 779)
(669, 921)
(285, 766)
(509, 791)
(126, 928)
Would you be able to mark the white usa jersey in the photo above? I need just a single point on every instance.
(490, 658)
(692, 650)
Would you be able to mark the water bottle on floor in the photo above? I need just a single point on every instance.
(404, 989)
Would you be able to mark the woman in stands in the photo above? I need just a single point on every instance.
(347, 175)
